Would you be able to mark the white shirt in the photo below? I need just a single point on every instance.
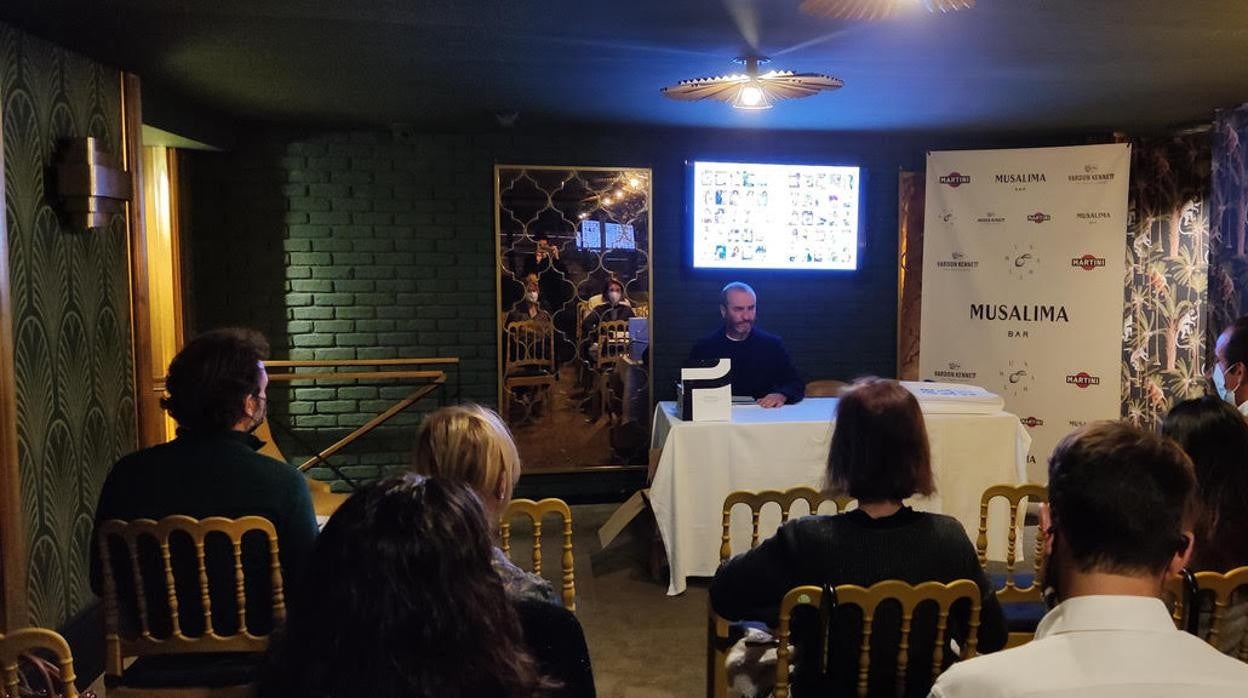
(1101, 647)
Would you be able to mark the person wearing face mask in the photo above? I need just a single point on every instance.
(1230, 372)
(530, 306)
(217, 395)
(1119, 522)
(613, 307)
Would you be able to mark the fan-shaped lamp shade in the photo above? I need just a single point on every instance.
(758, 91)
(878, 9)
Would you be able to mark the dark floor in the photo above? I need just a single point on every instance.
(642, 642)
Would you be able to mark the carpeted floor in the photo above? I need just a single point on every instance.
(642, 642)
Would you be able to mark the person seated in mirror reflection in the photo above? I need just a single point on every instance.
(761, 366)
(613, 308)
(531, 306)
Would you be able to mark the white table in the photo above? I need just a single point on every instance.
(760, 449)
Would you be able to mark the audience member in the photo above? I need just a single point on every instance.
(1119, 523)
(216, 394)
(531, 306)
(879, 455)
(1215, 437)
(1230, 372)
(612, 309)
(407, 604)
(471, 444)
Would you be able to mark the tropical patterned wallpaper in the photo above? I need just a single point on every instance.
(1228, 259)
(1165, 313)
(70, 298)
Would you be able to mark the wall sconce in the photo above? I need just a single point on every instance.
(91, 183)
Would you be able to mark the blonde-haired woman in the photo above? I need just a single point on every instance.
(471, 444)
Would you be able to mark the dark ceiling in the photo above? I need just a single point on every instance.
(1006, 65)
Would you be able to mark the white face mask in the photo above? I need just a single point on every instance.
(1225, 392)
(614, 296)
(531, 296)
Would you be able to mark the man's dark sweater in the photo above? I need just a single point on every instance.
(760, 364)
(202, 475)
(853, 548)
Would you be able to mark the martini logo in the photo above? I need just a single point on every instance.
(1091, 173)
(1020, 178)
(957, 261)
(955, 179)
(1088, 262)
(1082, 380)
(1019, 313)
(1039, 217)
(955, 373)
(1031, 422)
(990, 218)
(1093, 216)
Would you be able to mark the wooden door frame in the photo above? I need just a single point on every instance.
(13, 563)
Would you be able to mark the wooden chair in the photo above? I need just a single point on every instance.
(869, 599)
(1020, 593)
(1222, 586)
(613, 342)
(529, 360)
(142, 642)
(825, 388)
(39, 641)
(719, 632)
(535, 511)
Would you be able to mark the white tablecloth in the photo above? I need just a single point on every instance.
(759, 449)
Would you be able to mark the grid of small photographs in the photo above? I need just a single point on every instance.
(775, 216)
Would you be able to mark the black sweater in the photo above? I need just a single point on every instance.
(853, 548)
(760, 364)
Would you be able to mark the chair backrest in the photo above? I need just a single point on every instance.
(34, 641)
(612, 341)
(641, 310)
(535, 511)
(757, 500)
(530, 343)
(1014, 496)
(138, 537)
(825, 388)
(908, 597)
(1222, 586)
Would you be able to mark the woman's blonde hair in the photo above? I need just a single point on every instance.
(469, 444)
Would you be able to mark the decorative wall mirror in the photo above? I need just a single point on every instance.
(574, 304)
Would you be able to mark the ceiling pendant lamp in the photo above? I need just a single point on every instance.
(878, 9)
(752, 89)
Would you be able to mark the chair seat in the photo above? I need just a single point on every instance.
(212, 669)
(1022, 579)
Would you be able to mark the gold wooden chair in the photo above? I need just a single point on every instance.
(38, 641)
(1223, 586)
(825, 388)
(142, 641)
(612, 342)
(529, 360)
(719, 636)
(535, 511)
(869, 599)
(1022, 603)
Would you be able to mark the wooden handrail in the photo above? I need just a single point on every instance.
(354, 375)
(332, 363)
(373, 423)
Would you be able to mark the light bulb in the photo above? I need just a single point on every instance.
(751, 95)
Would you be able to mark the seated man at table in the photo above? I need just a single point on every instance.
(761, 367)
(1119, 523)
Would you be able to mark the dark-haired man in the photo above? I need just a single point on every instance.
(1230, 372)
(1119, 522)
(761, 367)
(216, 394)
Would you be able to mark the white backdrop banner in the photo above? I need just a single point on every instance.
(1022, 282)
